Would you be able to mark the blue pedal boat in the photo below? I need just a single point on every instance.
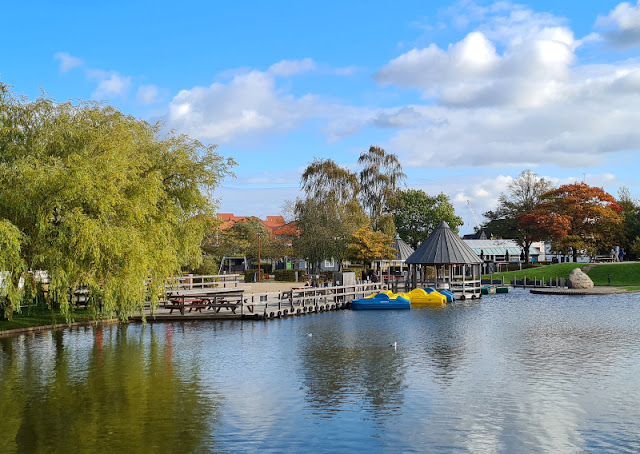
(380, 301)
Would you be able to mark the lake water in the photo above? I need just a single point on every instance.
(509, 373)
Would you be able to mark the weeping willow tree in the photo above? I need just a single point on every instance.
(330, 212)
(380, 180)
(95, 197)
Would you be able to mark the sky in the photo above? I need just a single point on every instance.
(467, 94)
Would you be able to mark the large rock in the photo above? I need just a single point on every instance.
(578, 279)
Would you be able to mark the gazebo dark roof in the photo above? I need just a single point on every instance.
(444, 247)
(403, 250)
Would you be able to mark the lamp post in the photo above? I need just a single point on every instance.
(259, 261)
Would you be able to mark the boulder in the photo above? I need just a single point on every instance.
(578, 279)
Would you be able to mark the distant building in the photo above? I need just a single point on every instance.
(275, 225)
(482, 234)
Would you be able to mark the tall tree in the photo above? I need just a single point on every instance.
(521, 197)
(100, 200)
(325, 228)
(323, 179)
(329, 213)
(417, 214)
(595, 222)
(380, 179)
(631, 214)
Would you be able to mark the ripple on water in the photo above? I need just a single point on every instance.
(508, 373)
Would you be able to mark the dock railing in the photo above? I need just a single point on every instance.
(265, 305)
(301, 300)
(200, 282)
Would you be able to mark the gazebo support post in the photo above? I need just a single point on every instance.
(463, 283)
(413, 268)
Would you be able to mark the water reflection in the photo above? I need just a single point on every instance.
(511, 373)
(353, 367)
(114, 393)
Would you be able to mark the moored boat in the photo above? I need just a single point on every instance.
(451, 297)
(421, 297)
(381, 301)
(488, 290)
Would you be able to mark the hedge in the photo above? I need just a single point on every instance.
(290, 275)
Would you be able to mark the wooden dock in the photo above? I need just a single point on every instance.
(229, 302)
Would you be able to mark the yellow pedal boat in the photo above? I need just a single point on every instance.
(420, 298)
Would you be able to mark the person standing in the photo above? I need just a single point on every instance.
(621, 254)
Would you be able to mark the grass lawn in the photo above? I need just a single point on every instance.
(622, 274)
(41, 317)
(560, 270)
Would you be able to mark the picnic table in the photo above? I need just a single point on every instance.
(216, 299)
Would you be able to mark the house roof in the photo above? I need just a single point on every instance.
(272, 223)
(443, 247)
(403, 250)
(290, 229)
(498, 247)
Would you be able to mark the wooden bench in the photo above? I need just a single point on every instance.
(217, 304)
(603, 258)
(186, 303)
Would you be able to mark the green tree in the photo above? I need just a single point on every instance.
(329, 213)
(244, 238)
(325, 228)
(418, 214)
(100, 200)
(380, 180)
(631, 214)
(323, 179)
(521, 198)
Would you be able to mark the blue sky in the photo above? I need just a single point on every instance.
(467, 94)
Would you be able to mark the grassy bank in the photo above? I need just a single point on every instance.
(42, 317)
(622, 274)
(559, 270)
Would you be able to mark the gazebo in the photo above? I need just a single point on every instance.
(456, 267)
(402, 252)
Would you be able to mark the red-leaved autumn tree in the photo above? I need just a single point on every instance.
(578, 217)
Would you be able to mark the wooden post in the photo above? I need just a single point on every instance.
(463, 284)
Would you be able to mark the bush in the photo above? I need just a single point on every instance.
(208, 267)
(359, 272)
(326, 276)
(290, 275)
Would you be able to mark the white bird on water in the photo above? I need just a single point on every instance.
(309, 334)
(394, 345)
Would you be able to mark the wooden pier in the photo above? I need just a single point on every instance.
(213, 299)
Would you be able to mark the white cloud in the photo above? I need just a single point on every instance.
(147, 94)
(286, 68)
(472, 73)
(528, 104)
(622, 25)
(249, 104)
(110, 84)
(596, 114)
(67, 62)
